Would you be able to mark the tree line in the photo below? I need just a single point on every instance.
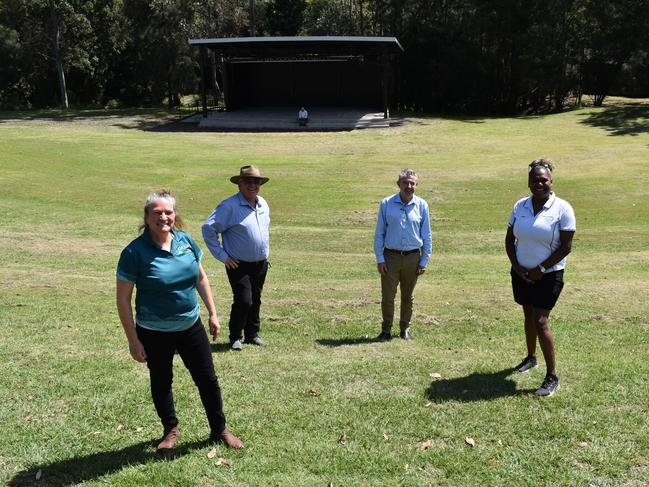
(463, 56)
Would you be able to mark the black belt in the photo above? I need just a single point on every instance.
(401, 252)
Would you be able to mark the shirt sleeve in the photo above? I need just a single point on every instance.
(127, 267)
(512, 217)
(379, 235)
(567, 222)
(426, 237)
(214, 226)
(197, 250)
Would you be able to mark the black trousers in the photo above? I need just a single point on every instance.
(247, 282)
(193, 347)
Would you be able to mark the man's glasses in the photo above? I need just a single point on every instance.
(255, 181)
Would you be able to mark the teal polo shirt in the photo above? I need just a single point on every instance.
(165, 282)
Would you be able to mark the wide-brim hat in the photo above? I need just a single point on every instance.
(249, 172)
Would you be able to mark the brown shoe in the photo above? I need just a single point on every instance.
(228, 439)
(168, 439)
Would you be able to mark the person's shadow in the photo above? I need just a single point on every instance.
(339, 342)
(475, 387)
(220, 347)
(90, 467)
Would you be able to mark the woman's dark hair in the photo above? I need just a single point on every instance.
(543, 163)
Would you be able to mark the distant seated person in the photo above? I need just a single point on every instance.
(302, 117)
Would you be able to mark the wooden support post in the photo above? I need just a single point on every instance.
(384, 81)
(203, 62)
(225, 74)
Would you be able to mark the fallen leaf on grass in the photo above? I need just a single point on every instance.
(435, 375)
(222, 461)
(469, 441)
(343, 439)
(583, 443)
(426, 444)
(385, 436)
(314, 392)
(211, 453)
(39, 474)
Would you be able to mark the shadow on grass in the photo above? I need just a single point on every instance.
(340, 342)
(627, 119)
(475, 387)
(90, 467)
(163, 120)
(147, 119)
(220, 347)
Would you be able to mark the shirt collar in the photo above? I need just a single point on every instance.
(397, 199)
(146, 236)
(546, 205)
(244, 202)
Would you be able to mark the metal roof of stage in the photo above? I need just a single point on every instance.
(302, 43)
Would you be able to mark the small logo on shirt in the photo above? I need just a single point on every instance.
(184, 249)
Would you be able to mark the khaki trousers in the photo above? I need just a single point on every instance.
(402, 271)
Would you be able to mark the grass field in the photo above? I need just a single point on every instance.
(75, 408)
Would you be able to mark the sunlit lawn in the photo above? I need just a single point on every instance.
(75, 407)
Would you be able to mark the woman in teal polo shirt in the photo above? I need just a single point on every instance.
(164, 266)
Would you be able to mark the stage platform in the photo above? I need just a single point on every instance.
(280, 119)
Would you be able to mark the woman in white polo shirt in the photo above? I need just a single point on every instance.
(539, 237)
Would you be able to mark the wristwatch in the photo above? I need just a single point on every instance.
(542, 269)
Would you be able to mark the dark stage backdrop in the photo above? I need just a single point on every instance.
(330, 83)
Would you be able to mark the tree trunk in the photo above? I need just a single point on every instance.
(559, 89)
(56, 34)
(251, 8)
(360, 10)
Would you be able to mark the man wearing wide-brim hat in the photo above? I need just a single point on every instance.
(237, 234)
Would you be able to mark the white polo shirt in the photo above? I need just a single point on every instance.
(537, 236)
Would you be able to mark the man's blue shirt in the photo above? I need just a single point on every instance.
(244, 231)
(403, 226)
(165, 281)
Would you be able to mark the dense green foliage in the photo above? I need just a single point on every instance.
(481, 56)
(76, 409)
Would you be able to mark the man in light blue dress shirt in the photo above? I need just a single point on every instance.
(403, 245)
(242, 221)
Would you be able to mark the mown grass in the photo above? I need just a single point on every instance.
(75, 408)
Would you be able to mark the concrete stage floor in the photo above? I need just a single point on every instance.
(282, 119)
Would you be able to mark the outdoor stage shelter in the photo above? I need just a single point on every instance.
(323, 71)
